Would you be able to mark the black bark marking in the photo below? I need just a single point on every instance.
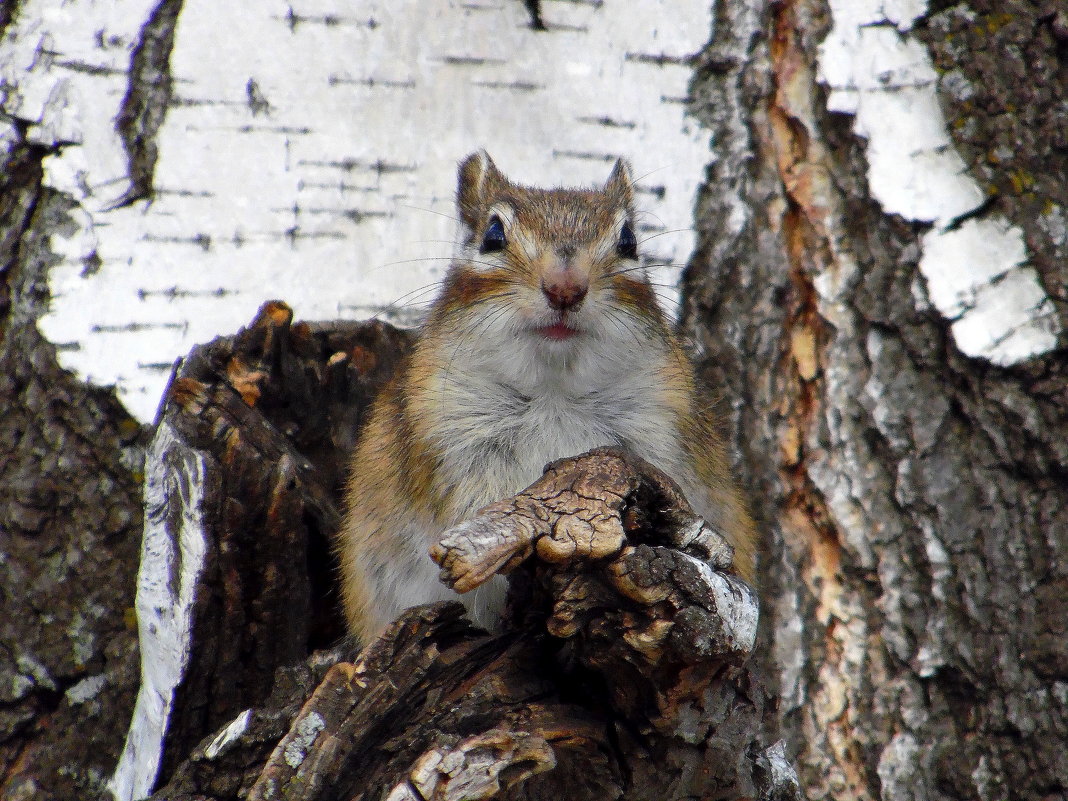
(147, 97)
(534, 10)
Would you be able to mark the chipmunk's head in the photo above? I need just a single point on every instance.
(552, 265)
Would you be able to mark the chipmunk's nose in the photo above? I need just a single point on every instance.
(564, 289)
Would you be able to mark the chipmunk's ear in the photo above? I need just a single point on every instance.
(478, 175)
(619, 184)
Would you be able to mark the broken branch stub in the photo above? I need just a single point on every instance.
(433, 709)
(236, 574)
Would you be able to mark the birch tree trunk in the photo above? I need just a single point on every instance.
(878, 287)
(885, 309)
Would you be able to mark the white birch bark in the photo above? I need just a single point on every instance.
(308, 153)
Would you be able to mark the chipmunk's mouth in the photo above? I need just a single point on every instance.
(557, 331)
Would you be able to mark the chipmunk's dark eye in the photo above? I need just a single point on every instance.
(493, 240)
(628, 245)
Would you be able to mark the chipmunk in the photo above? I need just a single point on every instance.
(546, 341)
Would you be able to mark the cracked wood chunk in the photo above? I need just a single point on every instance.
(477, 767)
(615, 534)
(568, 514)
(577, 511)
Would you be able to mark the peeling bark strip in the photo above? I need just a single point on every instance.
(812, 227)
(173, 558)
(974, 261)
(1001, 78)
(147, 97)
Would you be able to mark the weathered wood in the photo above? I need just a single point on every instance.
(616, 674)
(236, 575)
(628, 575)
(627, 634)
(227, 763)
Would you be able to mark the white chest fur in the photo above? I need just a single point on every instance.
(498, 424)
(496, 429)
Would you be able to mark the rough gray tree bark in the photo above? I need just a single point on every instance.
(916, 577)
(70, 520)
(913, 496)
